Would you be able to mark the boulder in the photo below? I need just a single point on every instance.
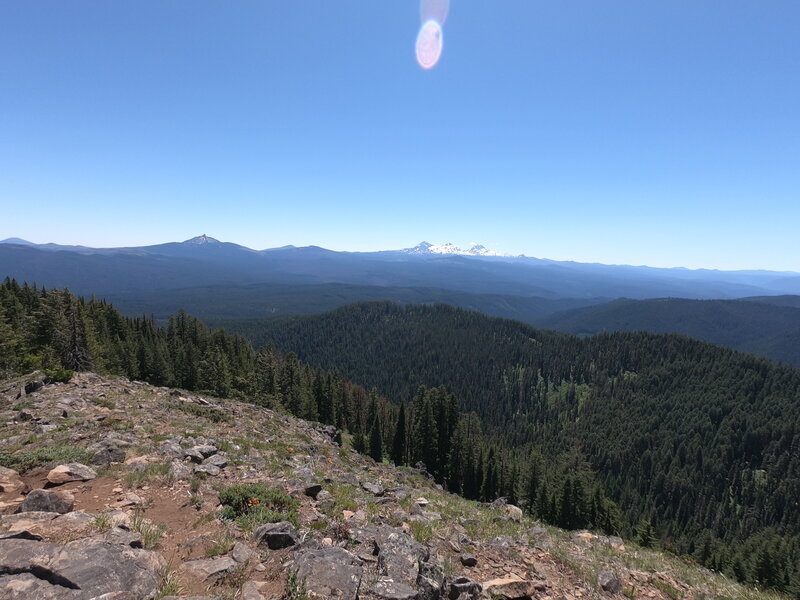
(463, 586)
(11, 482)
(242, 554)
(106, 452)
(194, 455)
(205, 450)
(329, 573)
(83, 569)
(251, 591)
(468, 560)
(216, 460)
(179, 470)
(48, 501)
(171, 449)
(388, 589)
(205, 569)
(33, 386)
(608, 580)
(509, 588)
(313, 490)
(70, 472)
(374, 488)
(276, 535)
(210, 470)
(513, 512)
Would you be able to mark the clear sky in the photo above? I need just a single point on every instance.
(619, 131)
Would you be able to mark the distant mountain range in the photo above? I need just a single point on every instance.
(220, 280)
(204, 260)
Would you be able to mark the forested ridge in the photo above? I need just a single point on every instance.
(697, 440)
(676, 442)
(58, 332)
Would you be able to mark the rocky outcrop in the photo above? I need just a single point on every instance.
(276, 535)
(48, 501)
(329, 573)
(83, 569)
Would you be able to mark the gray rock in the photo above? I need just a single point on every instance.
(171, 449)
(179, 470)
(81, 570)
(468, 560)
(463, 586)
(388, 589)
(25, 586)
(33, 386)
(374, 488)
(276, 535)
(216, 460)
(250, 591)
(123, 537)
(194, 455)
(48, 501)
(210, 470)
(206, 450)
(204, 569)
(608, 580)
(313, 490)
(329, 573)
(106, 453)
(431, 581)
(242, 554)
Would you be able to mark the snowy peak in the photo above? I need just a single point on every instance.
(428, 248)
(202, 239)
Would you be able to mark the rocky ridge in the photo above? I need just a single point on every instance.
(112, 489)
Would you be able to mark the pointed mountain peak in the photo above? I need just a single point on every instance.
(202, 239)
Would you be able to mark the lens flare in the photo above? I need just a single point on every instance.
(429, 44)
(434, 10)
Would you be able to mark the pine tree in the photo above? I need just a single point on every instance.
(645, 534)
(376, 439)
(398, 454)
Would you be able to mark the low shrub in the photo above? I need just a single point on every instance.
(254, 504)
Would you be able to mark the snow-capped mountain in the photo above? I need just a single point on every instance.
(428, 248)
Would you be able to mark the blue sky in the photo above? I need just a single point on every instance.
(660, 133)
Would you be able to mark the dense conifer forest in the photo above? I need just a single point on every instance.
(696, 443)
(675, 442)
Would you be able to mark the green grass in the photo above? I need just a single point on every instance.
(109, 404)
(670, 591)
(170, 585)
(151, 533)
(214, 415)
(222, 545)
(422, 532)
(48, 456)
(102, 522)
(139, 478)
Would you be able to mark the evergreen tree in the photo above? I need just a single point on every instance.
(398, 454)
(645, 534)
(376, 440)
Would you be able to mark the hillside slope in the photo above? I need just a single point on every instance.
(689, 435)
(763, 326)
(142, 519)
